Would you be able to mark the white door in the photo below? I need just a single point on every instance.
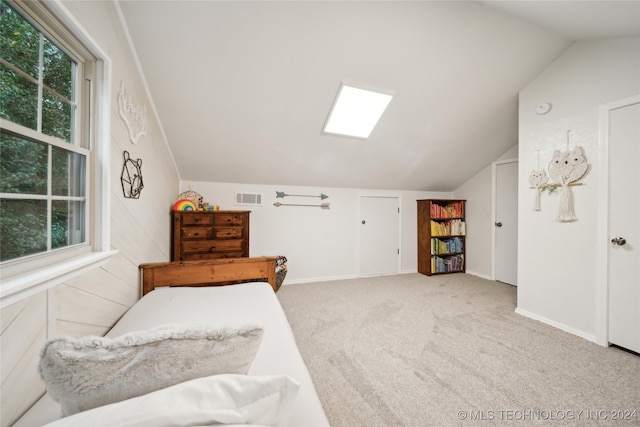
(506, 222)
(624, 231)
(379, 233)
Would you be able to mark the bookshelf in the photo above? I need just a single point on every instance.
(441, 236)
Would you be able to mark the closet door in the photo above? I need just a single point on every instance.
(506, 222)
(379, 233)
(624, 229)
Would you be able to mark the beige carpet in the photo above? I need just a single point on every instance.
(412, 350)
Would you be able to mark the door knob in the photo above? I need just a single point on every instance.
(498, 224)
(618, 241)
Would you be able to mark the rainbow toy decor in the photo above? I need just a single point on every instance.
(184, 205)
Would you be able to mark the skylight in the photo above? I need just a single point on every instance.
(356, 112)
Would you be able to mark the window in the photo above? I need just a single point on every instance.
(48, 116)
(42, 161)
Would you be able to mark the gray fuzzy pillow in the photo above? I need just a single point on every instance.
(93, 371)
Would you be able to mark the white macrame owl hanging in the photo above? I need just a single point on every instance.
(538, 178)
(567, 167)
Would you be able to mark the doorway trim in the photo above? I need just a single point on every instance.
(494, 209)
(602, 233)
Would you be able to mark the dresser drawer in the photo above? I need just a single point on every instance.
(197, 232)
(211, 246)
(228, 233)
(229, 219)
(197, 219)
(217, 255)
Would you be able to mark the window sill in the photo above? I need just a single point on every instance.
(23, 286)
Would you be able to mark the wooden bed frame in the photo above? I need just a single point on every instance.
(218, 272)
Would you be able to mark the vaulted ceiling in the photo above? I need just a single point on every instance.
(243, 89)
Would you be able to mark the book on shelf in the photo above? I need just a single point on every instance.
(448, 264)
(450, 245)
(455, 227)
(450, 210)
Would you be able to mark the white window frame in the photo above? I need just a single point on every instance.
(22, 278)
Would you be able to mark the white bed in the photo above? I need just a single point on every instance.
(233, 305)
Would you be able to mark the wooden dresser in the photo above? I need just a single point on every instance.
(209, 235)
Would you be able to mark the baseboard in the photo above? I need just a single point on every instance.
(353, 276)
(482, 276)
(332, 278)
(558, 325)
(319, 279)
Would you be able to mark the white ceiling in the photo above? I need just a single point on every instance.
(577, 19)
(243, 88)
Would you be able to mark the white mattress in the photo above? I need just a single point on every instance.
(228, 305)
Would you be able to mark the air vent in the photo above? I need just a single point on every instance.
(252, 199)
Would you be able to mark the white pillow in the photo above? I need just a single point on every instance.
(219, 399)
(93, 371)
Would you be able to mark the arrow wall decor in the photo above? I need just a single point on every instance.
(282, 194)
(323, 206)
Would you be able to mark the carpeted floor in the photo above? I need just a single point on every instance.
(412, 350)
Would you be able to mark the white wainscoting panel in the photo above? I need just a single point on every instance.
(74, 329)
(79, 306)
(108, 286)
(24, 327)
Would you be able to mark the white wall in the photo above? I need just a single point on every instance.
(92, 303)
(320, 244)
(557, 261)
